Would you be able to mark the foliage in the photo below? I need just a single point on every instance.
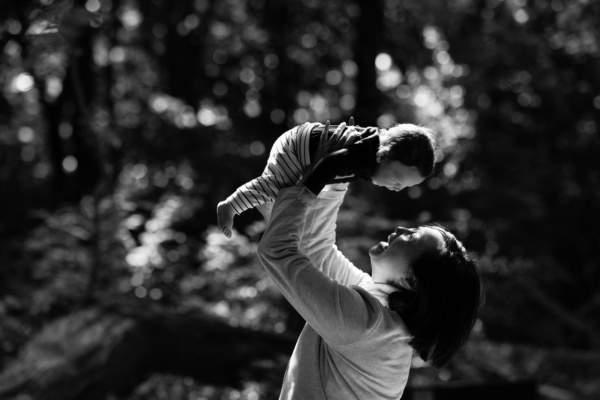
(123, 123)
(174, 388)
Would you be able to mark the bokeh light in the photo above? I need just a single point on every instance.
(23, 83)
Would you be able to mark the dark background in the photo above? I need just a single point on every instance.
(123, 123)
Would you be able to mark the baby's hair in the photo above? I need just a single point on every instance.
(410, 144)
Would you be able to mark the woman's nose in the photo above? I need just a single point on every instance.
(400, 230)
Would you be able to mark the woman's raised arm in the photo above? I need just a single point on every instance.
(337, 312)
(319, 234)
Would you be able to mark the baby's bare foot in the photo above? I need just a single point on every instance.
(225, 216)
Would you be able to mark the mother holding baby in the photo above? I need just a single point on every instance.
(361, 330)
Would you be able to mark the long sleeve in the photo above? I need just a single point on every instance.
(319, 237)
(338, 313)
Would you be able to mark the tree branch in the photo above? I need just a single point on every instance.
(560, 312)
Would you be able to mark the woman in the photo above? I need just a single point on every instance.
(423, 295)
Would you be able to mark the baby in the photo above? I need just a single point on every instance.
(395, 158)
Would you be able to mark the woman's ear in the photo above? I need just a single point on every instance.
(411, 282)
(408, 283)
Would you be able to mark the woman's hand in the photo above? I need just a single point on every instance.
(328, 145)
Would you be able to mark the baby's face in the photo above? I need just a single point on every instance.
(396, 176)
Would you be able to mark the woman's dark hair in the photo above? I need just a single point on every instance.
(410, 144)
(442, 309)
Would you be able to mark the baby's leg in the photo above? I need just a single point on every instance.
(288, 158)
(225, 216)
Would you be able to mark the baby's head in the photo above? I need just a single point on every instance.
(405, 156)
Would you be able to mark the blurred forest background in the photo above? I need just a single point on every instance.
(124, 122)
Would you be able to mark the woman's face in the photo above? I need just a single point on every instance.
(391, 259)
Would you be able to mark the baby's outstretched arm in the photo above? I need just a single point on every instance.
(225, 216)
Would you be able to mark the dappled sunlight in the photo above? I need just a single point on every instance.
(148, 255)
(438, 102)
(225, 261)
(22, 83)
(123, 124)
(220, 251)
(169, 387)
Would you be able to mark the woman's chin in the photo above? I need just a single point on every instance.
(377, 249)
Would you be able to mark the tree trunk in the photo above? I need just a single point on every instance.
(106, 349)
(366, 48)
